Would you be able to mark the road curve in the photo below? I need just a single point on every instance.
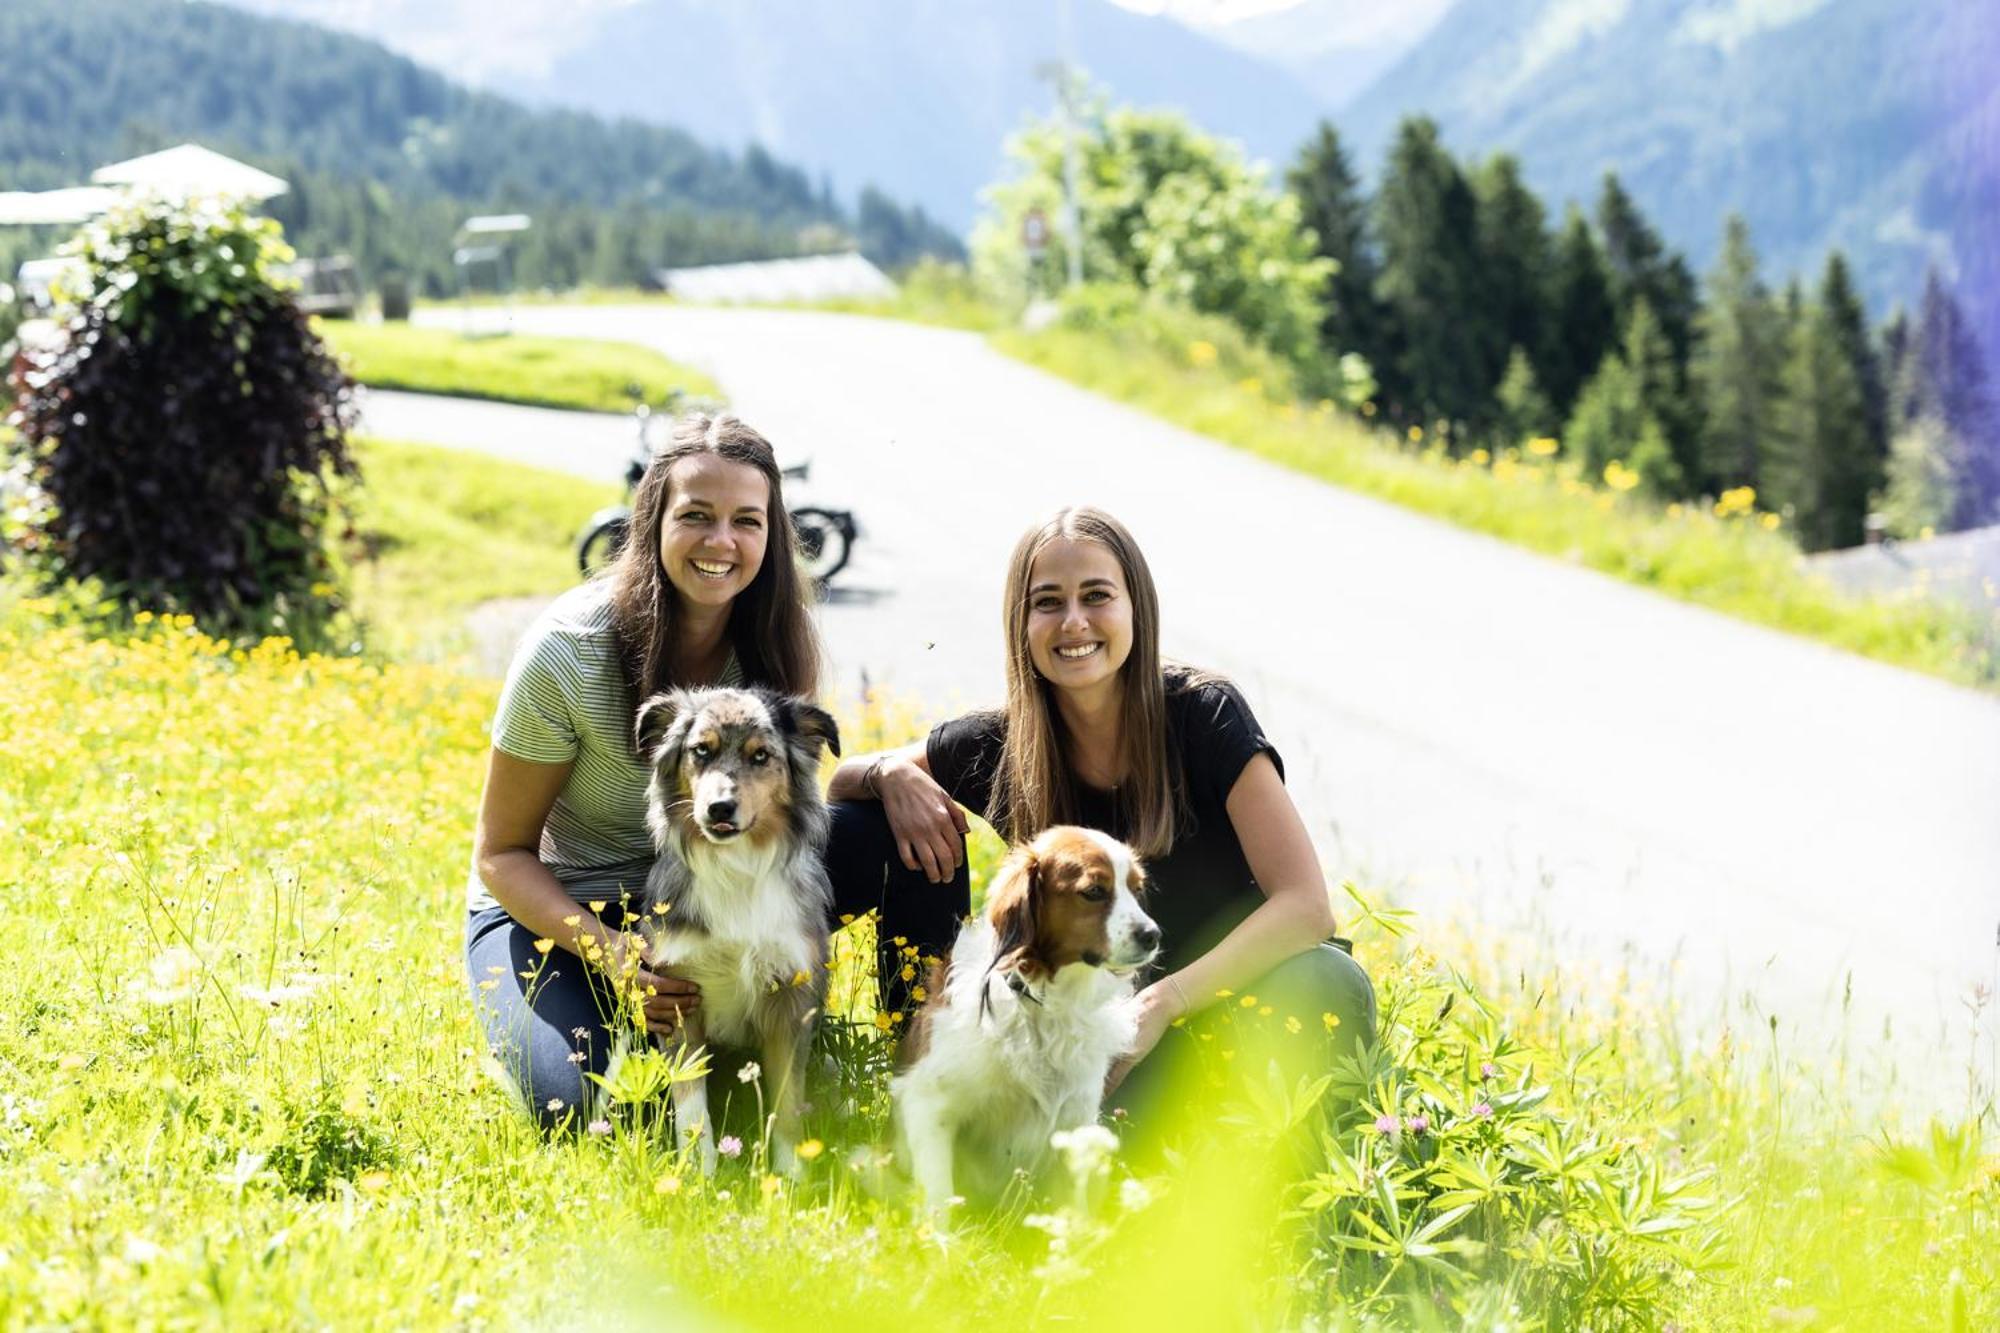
(1477, 727)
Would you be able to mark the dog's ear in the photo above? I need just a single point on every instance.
(656, 718)
(808, 719)
(1011, 910)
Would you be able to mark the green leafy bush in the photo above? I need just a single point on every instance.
(1168, 209)
(182, 436)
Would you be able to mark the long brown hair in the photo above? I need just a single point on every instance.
(768, 624)
(1033, 787)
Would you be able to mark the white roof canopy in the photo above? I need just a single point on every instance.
(813, 278)
(191, 169)
(66, 207)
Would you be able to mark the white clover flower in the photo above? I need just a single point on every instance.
(173, 976)
(1133, 1195)
(1086, 1150)
(749, 1073)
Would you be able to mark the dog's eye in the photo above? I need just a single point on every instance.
(760, 759)
(700, 751)
(1096, 893)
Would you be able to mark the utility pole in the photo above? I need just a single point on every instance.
(1065, 74)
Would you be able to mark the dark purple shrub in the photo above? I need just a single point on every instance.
(185, 431)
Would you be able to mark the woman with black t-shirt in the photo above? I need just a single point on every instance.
(1097, 732)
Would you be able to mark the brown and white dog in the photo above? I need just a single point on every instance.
(739, 821)
(1036, 1003)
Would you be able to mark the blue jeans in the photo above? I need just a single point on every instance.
(551, 1027)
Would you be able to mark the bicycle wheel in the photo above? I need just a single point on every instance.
(601, 540)
(823, 544)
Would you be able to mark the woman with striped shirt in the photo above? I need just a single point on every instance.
(704, 592)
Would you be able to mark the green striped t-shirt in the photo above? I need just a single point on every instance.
(565, 700)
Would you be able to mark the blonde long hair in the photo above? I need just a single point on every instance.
(1034, 787)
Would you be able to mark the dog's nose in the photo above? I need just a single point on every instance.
(721, 812)
(1147, 935)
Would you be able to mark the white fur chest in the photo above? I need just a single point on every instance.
(753, 935)
(1023, 1064)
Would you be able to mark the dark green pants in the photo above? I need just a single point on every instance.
(1303, 1014)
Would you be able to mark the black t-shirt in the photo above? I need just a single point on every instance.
(1203, 886)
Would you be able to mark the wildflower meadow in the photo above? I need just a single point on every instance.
(245, 1088)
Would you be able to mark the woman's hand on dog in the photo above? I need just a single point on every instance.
(666, 998)
(929, 827)
(1158, 1005)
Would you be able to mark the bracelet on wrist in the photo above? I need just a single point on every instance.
(871, 776)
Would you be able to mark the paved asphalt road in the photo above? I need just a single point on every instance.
(1748, 817)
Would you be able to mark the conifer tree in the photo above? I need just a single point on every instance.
(1581, 328)
(1640, 268)
(1622, 414)
(1427, 218)
(1849, 321)
(1821, 463)
(1921, 495)
(1738, 364)
(1897, 335)
(1525, 412)
(1331, 203)
(1941, 386)
(1514, 255)
(1608, 418)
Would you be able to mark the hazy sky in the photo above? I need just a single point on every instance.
(1207, 12)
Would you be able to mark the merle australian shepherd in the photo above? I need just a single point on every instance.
(739, 822)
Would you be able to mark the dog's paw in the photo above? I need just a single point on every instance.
(939, 1221)
(785, 1160)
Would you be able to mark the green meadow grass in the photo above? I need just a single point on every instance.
(242, 1084)
(515, 368)
(442, 530)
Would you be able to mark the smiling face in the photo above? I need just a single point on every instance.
(1079, 621)
(717, 524)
